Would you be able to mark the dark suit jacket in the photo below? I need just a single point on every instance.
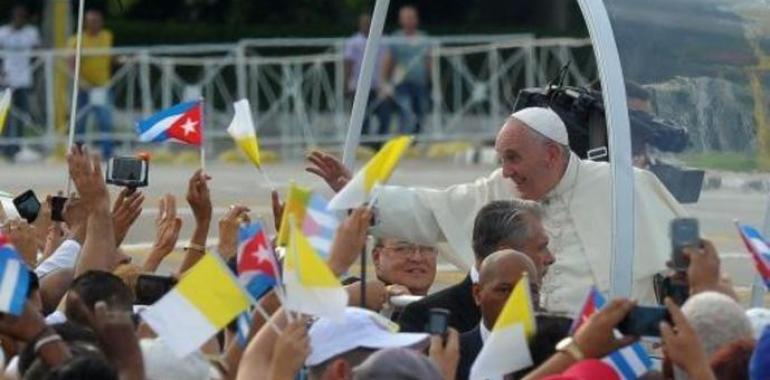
(458, 299)
(470, 346)
(550, 330)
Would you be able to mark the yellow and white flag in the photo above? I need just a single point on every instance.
(241, 129)
(506, 349)
(5, 107)
(295, 207)
(311, 286)
(204, 301)
(376, 171)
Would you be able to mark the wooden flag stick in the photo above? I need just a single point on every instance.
(203, 134)
(264, 314)
(266, 178)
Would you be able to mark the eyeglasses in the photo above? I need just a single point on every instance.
(405, 249)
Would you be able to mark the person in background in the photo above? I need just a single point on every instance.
(353, 55)
(406, 71)
(16, 40)
(95, 74)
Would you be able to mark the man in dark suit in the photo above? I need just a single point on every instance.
(514, 224)
(498, 276)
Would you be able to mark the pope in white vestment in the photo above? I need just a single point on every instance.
(577, 218)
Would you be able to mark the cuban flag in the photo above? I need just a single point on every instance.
(14, 279)
(630, 362)
(320, 225)
(180, 123)
(759, 250)
(257, 267)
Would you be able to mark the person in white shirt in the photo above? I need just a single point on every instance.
(16, 40)
(537, 165)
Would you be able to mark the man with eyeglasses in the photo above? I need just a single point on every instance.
(409, 265)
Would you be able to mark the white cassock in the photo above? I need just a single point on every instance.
(577, 218)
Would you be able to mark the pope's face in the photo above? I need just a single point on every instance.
(525, 160)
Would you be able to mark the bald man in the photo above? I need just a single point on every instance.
(498, 275)
(537, 164)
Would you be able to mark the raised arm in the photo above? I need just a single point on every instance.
(199, 198)
(99, 246)
(167, 227)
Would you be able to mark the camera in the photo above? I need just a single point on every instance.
(644, 321)
(438, 322)
(57, 208)
(150, 288)
(128, 172)
(27, 205)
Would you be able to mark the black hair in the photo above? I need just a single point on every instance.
(94, 286)
(502, 222)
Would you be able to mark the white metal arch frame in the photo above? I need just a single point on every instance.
(619, 135)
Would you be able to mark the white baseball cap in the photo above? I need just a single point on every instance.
(545, 121)
(360, 328)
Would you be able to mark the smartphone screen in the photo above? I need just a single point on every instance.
(27, 205)
(150, 288)
(127, 171)
(57, 208)
(438, 321)
(644, 321)
(684, 233)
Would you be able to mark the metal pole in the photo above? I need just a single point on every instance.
(614, 94)
(364, 82)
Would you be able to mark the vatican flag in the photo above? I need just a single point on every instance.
(241, 129)
(376, 171)
(5, 107)
(311, 286)
(506, 350)
(206, 299)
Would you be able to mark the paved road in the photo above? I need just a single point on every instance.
(242, 184)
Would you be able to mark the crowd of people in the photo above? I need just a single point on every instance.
(83, 318)
(542, 218)
(401, 78)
